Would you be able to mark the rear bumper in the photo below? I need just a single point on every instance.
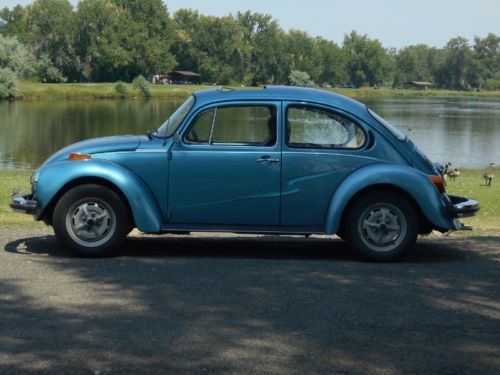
(23, 203)
(461, 206)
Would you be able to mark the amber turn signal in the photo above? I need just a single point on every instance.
(78, 156)
(438, 183)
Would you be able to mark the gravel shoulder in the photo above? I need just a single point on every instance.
(248, 304)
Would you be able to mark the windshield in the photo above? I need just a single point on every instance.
(394, 131)
(172, 123)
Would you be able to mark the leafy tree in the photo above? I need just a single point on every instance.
(453, 73)
(332, 61)
(51, 30)
(367, 61)
(22, 62)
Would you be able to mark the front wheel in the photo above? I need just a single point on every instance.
(381, 226)
(91, 220)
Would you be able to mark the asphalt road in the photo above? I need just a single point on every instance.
(253, 305)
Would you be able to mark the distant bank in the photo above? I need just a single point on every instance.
(84, 91)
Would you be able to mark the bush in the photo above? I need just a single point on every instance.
(8, 89)
(298, 78)
(121, 89)
(143, 85)
(47, 72)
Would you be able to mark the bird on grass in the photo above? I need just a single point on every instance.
(489, 175)
(453, 174)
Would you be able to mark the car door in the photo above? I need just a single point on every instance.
(225, 167)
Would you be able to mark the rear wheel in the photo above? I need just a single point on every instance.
(91, 220)
(381, 226)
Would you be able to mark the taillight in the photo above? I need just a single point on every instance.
(438, 183)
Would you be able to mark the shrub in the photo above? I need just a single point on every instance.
(298, 78)
(143, 85)
(8, 89)
(121, 89)
(47, 72)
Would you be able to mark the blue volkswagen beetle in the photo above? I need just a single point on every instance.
(277, 160)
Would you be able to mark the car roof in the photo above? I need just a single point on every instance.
(286, 93)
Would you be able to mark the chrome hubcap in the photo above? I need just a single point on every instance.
(90, 223)
(383, 227)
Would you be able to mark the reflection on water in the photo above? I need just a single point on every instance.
(461, 130)
(32, 131)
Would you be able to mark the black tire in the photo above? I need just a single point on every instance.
(381, 226)
(91, 220)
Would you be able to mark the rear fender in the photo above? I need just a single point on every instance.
(410, 180)
(54, 178)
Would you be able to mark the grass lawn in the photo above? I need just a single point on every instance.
(470, 183)
(36, 91)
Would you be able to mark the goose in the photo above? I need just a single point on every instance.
(453, 174)
(489, 176)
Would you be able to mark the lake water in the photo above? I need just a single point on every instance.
(461, 130)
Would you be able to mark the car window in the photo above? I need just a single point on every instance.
(200, 132)
(315, 127)
(241, 125)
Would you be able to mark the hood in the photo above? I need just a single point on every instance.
(96, 146)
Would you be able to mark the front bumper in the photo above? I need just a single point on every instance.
(23, 203)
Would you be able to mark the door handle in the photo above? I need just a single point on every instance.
(267, 159)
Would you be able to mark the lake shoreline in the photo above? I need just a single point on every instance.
(92, 91)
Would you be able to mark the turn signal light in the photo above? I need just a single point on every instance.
(78, 156)
(438, 183)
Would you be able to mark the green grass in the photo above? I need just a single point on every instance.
(470, 183)
(10, 180)
(37, 91)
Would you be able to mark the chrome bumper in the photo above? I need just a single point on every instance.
(461, 206)
(23, 203)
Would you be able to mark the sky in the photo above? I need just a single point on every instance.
(396, 23)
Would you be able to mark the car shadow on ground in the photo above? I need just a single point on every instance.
(259, 247)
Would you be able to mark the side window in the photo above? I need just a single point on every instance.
(314, 127)
(199, 133)
(240, 125)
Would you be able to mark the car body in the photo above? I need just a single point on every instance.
(272, 160)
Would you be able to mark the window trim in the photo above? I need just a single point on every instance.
(308, 106)
(272, 106)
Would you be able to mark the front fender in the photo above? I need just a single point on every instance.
(411, 180)
(54, 177)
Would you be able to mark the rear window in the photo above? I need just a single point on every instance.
(393, 130)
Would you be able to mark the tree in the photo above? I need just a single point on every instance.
(453, 73)
(412, 63)
(51, 31)
(367, 61)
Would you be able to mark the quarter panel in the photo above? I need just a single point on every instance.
(414, 182)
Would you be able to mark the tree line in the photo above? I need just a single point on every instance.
(111, 40)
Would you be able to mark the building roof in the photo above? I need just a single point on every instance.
(185, 73)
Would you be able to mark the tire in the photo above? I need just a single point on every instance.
(91, 220)
(381, 226)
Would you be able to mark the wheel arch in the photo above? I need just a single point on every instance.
(423, 222)
(410, 183)
(58, 178)
(47, 213)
